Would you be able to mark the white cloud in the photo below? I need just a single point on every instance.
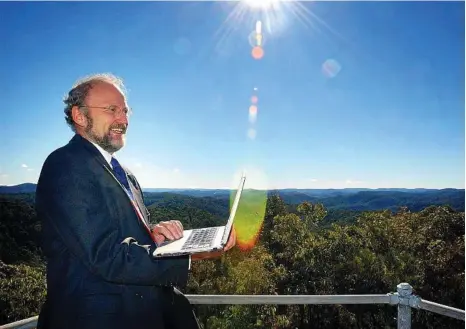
(313, 180)
(176, 170)
(30, 169)
(24, 165)
(353, 182)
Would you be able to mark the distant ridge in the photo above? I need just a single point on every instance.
(31, 188)
(21, 188)
(355, 199)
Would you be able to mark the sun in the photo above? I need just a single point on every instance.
(262, 4)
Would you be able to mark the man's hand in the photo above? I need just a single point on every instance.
(207, 255)
(170, 230)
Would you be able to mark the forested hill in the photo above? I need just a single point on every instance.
(293, 250)
(332, 199)
(415, 200)
(211, 207)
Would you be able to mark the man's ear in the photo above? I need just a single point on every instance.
(78, 117)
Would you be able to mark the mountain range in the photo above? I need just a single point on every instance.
(358, 199)
(31, 188)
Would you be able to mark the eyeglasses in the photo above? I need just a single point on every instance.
(115, 110)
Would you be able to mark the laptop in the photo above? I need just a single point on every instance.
(207, 239)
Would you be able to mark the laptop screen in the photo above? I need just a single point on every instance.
(226, 233)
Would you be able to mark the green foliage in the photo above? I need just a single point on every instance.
(312, 214)
(28, 198)
(191, 211)
(218, 207)
(22, 291)
(19, 232)
(191, 217)
(302, 249)
(274, 207)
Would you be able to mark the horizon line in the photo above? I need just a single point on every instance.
(281, 188)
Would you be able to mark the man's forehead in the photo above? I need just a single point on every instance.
(106, 92)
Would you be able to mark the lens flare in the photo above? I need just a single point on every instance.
(257, 52)
(331, 68)
(252, 117)
(255, 39)
(254, 100)
(258, 27)
(251, 209)
(252, 133)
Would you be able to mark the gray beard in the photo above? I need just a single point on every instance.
(104, 142)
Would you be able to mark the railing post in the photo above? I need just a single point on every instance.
(405, 292)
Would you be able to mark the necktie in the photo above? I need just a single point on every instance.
(120, 174)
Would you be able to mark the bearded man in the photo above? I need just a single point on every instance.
(97, 237)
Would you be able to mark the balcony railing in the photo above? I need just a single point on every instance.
(403, 299)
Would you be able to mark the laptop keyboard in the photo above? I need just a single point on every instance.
(201, 238)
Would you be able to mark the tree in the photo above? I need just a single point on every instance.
(275, 207)
(19, 232)
(312, 214)
(22, 291)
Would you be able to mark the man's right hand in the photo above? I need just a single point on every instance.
(169, 230)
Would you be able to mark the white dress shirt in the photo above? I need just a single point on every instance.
(106, 155)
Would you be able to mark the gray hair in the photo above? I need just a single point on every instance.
(78, 93)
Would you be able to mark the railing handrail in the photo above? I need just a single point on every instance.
(324, 299)
(287, 299)
(441, 309)
(404, 300)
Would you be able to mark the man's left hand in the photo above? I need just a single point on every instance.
(208, 255)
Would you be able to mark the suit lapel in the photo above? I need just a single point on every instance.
(131, 179)
(140, 212)
(137, 193)
(91, 149)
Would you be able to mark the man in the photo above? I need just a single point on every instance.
(96, 233)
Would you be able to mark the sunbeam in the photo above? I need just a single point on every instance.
(262, 4)
(276, 15)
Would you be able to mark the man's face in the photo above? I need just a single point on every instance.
(106, 129)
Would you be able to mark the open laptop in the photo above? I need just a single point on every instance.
(202, 239)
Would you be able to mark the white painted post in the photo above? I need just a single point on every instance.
(405, 292)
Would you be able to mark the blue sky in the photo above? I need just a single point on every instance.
(391, 116)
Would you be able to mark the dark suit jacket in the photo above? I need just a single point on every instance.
(100, 272)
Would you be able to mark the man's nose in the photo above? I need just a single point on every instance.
(121, 117)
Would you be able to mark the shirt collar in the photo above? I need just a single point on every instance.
(106, 155)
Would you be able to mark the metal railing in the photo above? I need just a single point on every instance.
(403, 298)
